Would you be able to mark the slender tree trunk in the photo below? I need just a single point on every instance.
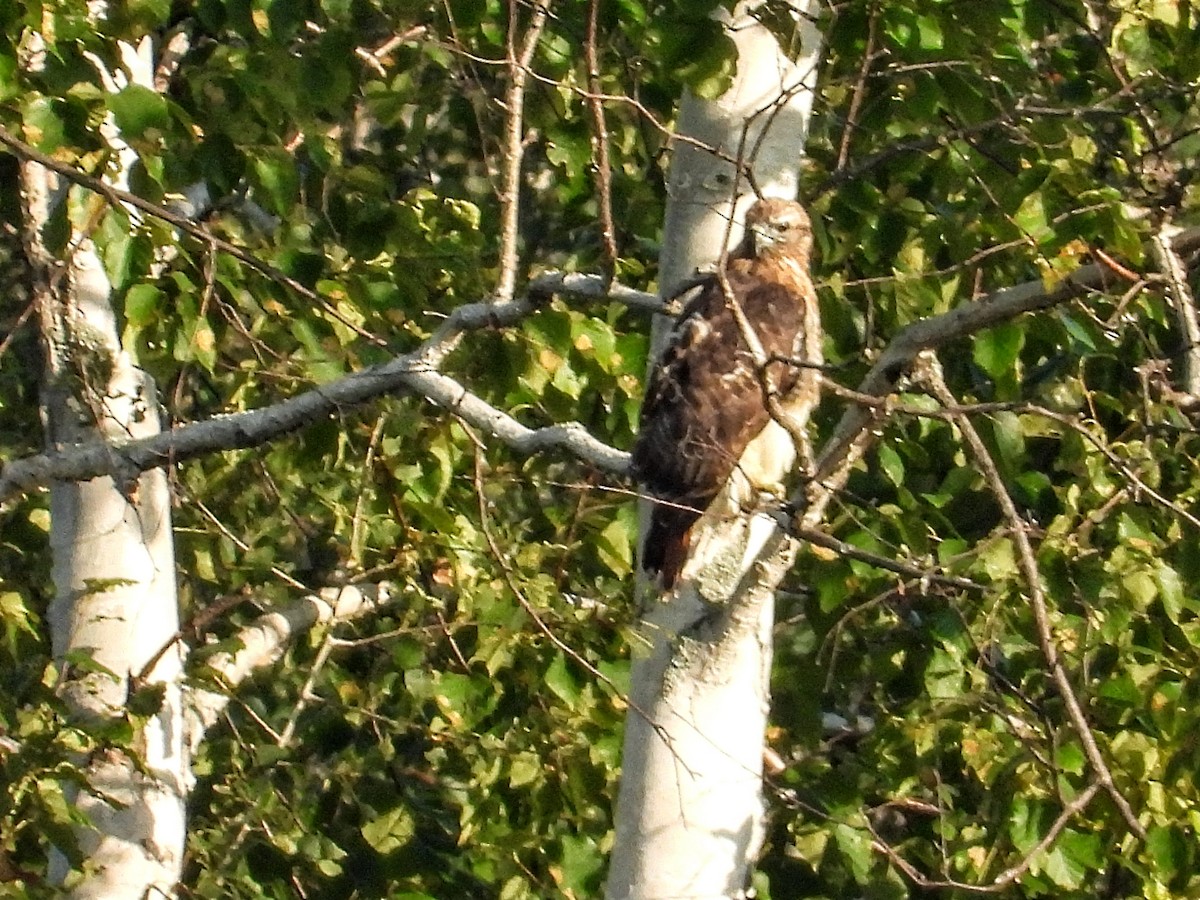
(689, 814)
(115, 607)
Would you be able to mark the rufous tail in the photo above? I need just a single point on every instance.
(666, 548)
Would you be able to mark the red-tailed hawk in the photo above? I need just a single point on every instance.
(707, 399)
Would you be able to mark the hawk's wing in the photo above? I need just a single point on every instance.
(706, 400)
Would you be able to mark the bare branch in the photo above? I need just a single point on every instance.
(929, 142)
(1117, 463)
(358, 523)
(589, 286)
(251, 429)
(513, 150)
(263, 641)
(608, 230)
(412, 373)
(1005, 878)
(593, 287)
(1185, 306)
(308, 691)
(931, 374)
(976, 315)
(860, 89)
(930, 574)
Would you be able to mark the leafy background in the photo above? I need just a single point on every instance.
(451, 747)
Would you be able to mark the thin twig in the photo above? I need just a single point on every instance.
(513, 148)
(242, 545)
(261, 642)
(358, 523)
(1185, 306)
(307, 692)
(202, 617)
(510, 578)
(931, 374)
(1126, 472)
(1020, 112)
(968, 318)
(921, 574)
(118, 197)
(860, 89)
(608, 229)
(1005, 878)
(20, 320)
(674, 138)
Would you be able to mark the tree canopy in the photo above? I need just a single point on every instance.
(1013, 709)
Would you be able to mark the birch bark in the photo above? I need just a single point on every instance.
(115, 604)
(689, 813)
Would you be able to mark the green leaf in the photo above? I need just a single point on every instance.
(561, 682)
(82, 661)
(892, 465)
(997, 350)
(41, 125)
(141, 15)
(139, 112)
(524, 769)
(9, 86)
(1007, 429)
(944, 675)
(1079, 331)
(856, 845)
(1023, 824)
(810, 845)
(615, 544)
(389, 830)
(1031, 218)
(1141, 587)
(15, 614)
(1171, 591)
(143, 304)
(276, 174)
(1071, 759)
(329, 867)
(582, 863)
(929, 33)
(1168, 851)
(999, 560)
(705, 55)
(286, 17)
(1062, 869)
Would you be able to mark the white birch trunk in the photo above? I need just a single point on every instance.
(113, 563)
(689, 813)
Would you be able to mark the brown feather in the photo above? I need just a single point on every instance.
(706, 398)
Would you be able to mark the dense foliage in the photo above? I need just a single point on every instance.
(467, 743)
(993, 144)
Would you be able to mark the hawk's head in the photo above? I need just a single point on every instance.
(778, 226)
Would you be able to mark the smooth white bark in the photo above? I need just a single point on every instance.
(113, 564)
(689, 813)
(114, 575)
(263, 642)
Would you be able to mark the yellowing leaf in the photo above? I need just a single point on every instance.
(1056, 270)
(389, 830)
(525, 767)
